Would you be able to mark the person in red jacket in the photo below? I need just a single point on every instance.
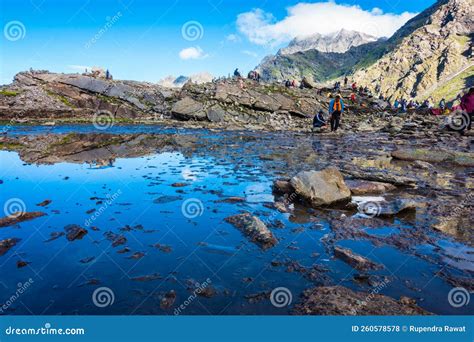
(467, 104)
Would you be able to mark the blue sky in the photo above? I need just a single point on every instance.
(144, 40)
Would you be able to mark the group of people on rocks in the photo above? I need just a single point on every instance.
(254, 75)
(336, 108)
(337, 105)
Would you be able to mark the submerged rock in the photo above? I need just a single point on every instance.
(168, 300)
(22, 263)
(254, 229)
(19, 217)
(357, 261)
(44, 203)
(116, 239)
(321, 188)
(167, 199)
(338, 300)
(7, 244)
(149, 277)
(75, 232)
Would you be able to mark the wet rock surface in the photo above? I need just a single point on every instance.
(357, 261)
(254, 229)
(7, 244)
(338, 300)
(19, 217)
(75, 232)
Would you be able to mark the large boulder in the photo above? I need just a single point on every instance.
(321, 188)
(189, 109)
(254, 229)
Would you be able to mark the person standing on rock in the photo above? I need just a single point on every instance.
(346, 80)
(336, 108)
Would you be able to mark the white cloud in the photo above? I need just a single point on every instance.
(233, 38)
(192, 53)
(305, 19)
(250, 53)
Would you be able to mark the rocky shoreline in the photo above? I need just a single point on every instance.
(41, 97)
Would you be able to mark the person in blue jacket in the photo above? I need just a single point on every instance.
(336, 108)
(318, 121)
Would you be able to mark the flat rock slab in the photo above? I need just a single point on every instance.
(338, 300)
(357, 261)
(254, 229)
(362, 187)
(20, 217)
(435, 156)
(377, 175)
(321, 188)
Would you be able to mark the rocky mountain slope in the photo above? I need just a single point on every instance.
(431, 55)
(313, 64)
(177, 82)
(338, 42)
(426, 53)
